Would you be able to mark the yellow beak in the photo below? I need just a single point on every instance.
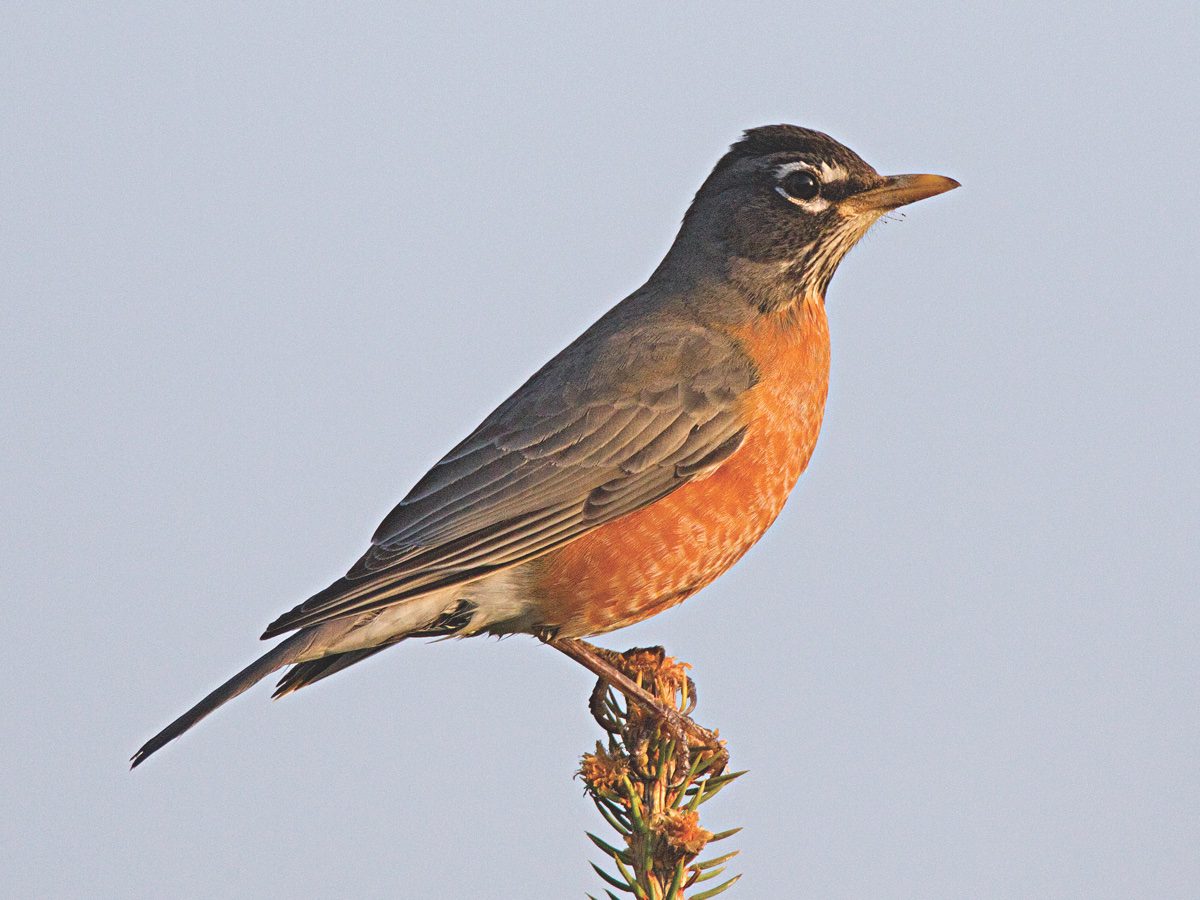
(898, 190)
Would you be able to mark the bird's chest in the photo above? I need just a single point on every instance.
(647, 561)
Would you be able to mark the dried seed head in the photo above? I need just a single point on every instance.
(657, 672)
(681, 830)
(602, 771)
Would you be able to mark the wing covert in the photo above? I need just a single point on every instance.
(607, 427)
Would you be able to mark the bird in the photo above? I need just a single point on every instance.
(638, 464)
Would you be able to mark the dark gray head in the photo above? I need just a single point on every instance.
(783, 207)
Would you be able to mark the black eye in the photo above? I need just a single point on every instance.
(799, 185)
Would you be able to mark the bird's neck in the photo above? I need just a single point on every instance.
(734, 289)
(772, 288)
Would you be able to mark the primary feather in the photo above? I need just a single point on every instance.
(578, 445)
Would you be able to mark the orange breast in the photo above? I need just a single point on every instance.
(650, 560)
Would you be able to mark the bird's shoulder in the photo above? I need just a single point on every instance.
(635, 375)
(631, 355)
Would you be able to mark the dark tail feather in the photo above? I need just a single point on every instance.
(305, 673)
(274, 659)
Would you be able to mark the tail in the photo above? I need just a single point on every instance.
(306, 673)
(278, 657)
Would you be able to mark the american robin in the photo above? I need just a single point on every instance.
(638, 464)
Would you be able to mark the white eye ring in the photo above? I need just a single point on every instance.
(824, 175)
(800, 186)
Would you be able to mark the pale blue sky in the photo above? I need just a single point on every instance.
(263, 265)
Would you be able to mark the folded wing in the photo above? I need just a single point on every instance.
(610, 425)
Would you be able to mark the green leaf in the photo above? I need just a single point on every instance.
(676, 883)
(608, 848)
(628, 876)
(708, 875)
(635, 804)
(681, 788)
(618, 825)
(717, 890)
(620, 886)
(722, 835)
(709, 863)
(721, 780)
(614, 807)
(705, 790)
(709, 794)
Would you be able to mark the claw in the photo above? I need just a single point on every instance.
(598, 705)
(692, 698)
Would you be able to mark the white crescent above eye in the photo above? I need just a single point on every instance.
(825, 172)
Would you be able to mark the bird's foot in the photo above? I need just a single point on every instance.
(629, 673)
(689, 737)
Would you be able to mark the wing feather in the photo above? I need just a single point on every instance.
(613, 424)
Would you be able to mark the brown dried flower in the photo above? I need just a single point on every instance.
(682, 831)
(602, 771)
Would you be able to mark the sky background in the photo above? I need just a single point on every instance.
(262, 266)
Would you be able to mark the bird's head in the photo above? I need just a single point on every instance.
(783, 207)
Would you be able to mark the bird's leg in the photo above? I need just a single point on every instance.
(682, 729)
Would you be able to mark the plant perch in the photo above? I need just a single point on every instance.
(649, 784)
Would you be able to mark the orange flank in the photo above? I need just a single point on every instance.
(652, 559)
